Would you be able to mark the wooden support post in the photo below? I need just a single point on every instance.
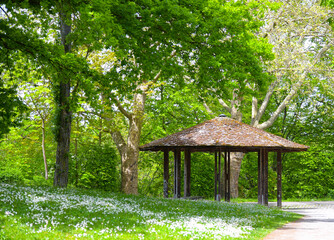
(166, 173)
(259, 177)
(279, 178)
(216, 175)
(187, 173)
(225, 176)
(177, 175)
(265, 176)
(228, 176)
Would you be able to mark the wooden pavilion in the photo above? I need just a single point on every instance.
(223, 135)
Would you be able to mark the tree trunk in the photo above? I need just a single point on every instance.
(129, 155)
(43, 150)
(129, 150)
(65, 116)
(129, 173)
(130, 159)
(236, 159)
(76, 155)
(63, 147)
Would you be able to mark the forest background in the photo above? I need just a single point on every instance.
(84, 84)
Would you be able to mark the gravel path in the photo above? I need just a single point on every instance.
(317, 223)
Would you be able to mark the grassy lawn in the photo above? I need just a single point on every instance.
(47, 213)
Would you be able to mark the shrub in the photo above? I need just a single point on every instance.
(95, 167)
(11, 175)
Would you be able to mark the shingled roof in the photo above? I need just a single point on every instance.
(226, 134)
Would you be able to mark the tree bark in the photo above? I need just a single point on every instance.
(63, 144)
(236, 159)
(130, 158)
(129, 150)
(43, 150)
(65, 116)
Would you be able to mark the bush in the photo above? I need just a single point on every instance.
(95, 167)
(309, 174)
(11, 175)
(203, 175)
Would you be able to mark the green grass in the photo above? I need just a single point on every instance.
(48, 213)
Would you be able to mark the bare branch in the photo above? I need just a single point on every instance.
(208, 109)
(155, 79)
(122, 109)
(119, 141)
(5, 12)
(227, 108)
(273, 23)
(157, 76)
(265, 102)
(254, 110)
(281, 107)
(293, 90)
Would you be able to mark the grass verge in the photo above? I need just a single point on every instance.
(48, 213)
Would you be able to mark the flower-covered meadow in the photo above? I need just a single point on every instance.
(48, 213)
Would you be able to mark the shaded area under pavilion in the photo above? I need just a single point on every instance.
(221, 136)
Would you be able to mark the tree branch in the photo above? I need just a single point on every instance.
(122, 109)
(208, 109)
(265, 103)
(157, 76)
(119, 141)
(227, 108)
(5, 12)
(293, 90)
(254, 110)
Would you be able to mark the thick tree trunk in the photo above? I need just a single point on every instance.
(129, 150)
(129, 176)
(63, 147)
(236, 160)
(129, 155)
(130, 164)
(65, 116)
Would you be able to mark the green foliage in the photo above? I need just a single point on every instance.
(211, 41)
(162, 119)
(95, 167)
(202, 175)
(248, 176)
(21, 150)
(151, 174)
(12, 108)
(11, 175)
(307, 174)
(248, 187)
(196, 46)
